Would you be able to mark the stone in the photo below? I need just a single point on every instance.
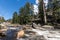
(48, 27)
(34, 25)
(20, 34)
(39, 25)
(41, 37)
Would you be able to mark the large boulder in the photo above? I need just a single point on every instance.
(48, 27)
(27, 27)
(20, 34)
(41, 37)
(34, 25)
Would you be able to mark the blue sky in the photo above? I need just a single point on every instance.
(8, 7)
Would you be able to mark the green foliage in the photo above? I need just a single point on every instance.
(41, 12)
(56, 9)
(9, 20)
(15, 18)
(2, 19)
(24, 16)
(0, 26)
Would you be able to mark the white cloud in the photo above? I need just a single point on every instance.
(46, 1)
(37, 1)
(35, 9)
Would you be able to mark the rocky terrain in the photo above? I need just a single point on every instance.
(44, 32)
(42, 35)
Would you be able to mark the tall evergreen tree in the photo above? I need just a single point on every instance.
(42, 13)
(15, 18)
(40, 7)
(21, 15)
(56, 10)
(53, 6)
(25, 14)
(2, 19)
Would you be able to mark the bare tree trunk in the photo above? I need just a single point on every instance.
(45, 20)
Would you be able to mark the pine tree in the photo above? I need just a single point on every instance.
(25, 14)
(15, 18)
(42, 14)
(56, 10)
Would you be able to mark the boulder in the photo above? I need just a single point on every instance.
(36, 38)
(20, 34)
(34, 25)
(39, 25)
(48, 27)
